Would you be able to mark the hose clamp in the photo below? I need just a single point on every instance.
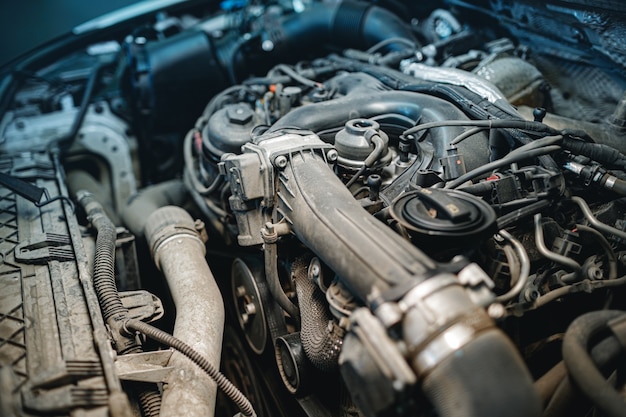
(450, 341)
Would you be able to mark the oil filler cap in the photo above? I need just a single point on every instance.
(439, 220)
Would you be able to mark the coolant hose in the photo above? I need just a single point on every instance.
(148, 200)
(565, 399)
(224, 384)
(179, 253)
(484, 378)
(321, 337)
(581, 366)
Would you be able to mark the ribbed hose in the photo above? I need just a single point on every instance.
(150, 403)
(224, 384)
(106, 289)
(321, 337)
(581, 366)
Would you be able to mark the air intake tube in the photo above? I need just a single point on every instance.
(179, 252)
(347, 23)
(454, 349)
(171, 78)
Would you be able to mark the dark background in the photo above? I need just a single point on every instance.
(25, 24)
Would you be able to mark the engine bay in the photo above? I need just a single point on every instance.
(317, 208)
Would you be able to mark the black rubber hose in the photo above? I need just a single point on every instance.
(222, 382)
(104, 262)
(485, 378)
(581, 366)
(566, 399)
(617, 185)
(92, 81)
(603, 154)
(321, 337)
(507, 160)
(369, 101)
(469, 102)
(346, 24)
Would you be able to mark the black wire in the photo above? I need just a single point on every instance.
(296, 76)
(507, 160)
(82, 111)
(222, 382)
(389, 41)
(488, 124)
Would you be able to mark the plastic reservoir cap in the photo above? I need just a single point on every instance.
(444, 216)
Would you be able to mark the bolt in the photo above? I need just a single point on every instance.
(280, 161)
(332, 155)
(249, 308)
(267, 45)
(240, 291)
(496, 311)
(315, 270)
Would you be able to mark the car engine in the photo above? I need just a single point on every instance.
(317, 208)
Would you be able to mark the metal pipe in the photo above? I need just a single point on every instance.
(525, 268)
(179, 253)
(595, 223)
(553, 256)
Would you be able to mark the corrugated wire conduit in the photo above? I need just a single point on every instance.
(113, 309)
(109, 299)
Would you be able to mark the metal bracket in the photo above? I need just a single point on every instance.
(44, 248)
(144, 367)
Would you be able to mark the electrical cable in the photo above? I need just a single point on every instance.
(507, 160)
(189, 167)
(487, 124)
(375, 48)
(222, 382)
(297, 77)
(468, 133)
(508, 219)
(84, 106)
